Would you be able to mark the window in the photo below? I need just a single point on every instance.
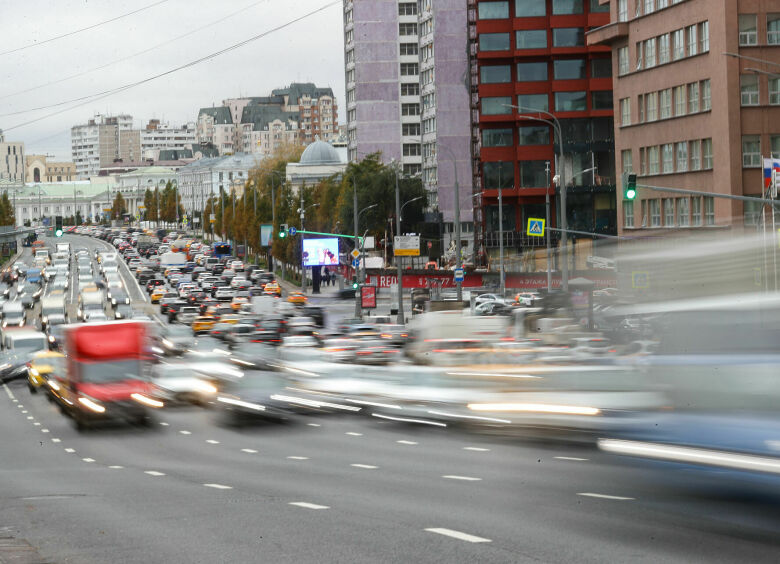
(426, 27)
(533, 102)
(350, 95)
(498, 175)
(623, 61)
(350, 57)
(748, 89)
(601, 100)
(412, 150)
(639, 51)
(493, 10)
(494, 42)
(774, 91)
(665, 99)
(410, 8)
(494, 74)
(533, 135)
(706, 95)
(683, 212)
(407, 29)
(533, 174)
(496, 137)
(773, 29)
(626, 160)
(427, 52)
(709, 210)
(410, 89)
(662, 4)
(704, 37)
(667, 153)
(531, 72)
(663, 48)
(652, 160)
(679, 100)
(752, 212)
(569, 69)
(622, 10)
(678, 44)
(696, 212)
(410, 109)
(692, 42)
(695, 153)
(530, 8)
(682, 156)
(774, 146)
(409, 69)
(625, 111)
(429, 125)
(601, 68)
(669, 212)
(351, 75)
(751, 151)
(651, 105)
(409, 49)
(531, 39)
(748, 32)
(429, 150)
(655, 213)
(568, 37)
(428, 76)
(628, 213)
(429, 101)
(564, 7)
(649, 6)
(650, 53)
(693, 98)
(570, 101)
(706, 153)
(496, 105)
(410, 129)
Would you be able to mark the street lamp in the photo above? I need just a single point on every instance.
(458, 263)
(302, 211)
(359, 247)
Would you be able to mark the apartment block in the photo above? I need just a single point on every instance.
(158, 136)
(101, 141)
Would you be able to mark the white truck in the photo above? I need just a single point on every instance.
(63, 248)
(170, 259)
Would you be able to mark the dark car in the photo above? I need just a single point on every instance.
(197, 272)
(316, 313)
(253, 398)
(144, 275)
(172, 309)
(207, 302)
(153, 283)
(217, 269)
(197, 297)
(256, 290)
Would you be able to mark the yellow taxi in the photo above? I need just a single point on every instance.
(157, 294)
(203, 324)
(232, 319)
(41, 366)
(297, 298)
(237, 302)
(272, 288)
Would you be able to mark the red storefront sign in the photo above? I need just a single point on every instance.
(368, 297)
(444, 280)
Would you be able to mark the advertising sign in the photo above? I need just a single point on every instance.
(368, 297)
(321, 252)
(266, 234)
(406, 246)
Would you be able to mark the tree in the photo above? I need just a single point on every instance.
(150, 204)
(6, 211)
(118, 207)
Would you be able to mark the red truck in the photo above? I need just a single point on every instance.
(105, 378)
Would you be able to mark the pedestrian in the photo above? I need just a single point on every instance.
(326, 277)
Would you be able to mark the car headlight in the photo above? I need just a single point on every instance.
(167, 343)
(92, 404)
(34, 372)
(51, 338)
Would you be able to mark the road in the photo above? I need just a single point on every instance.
(351, 489)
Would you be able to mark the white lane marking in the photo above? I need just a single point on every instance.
(218, 486)
(457, 535)
(366, 466)
(249, 450)
(88, 459)
(44, 430)
(185, 432)
(30, 417)
(70, 450)
(298, 457)
(212, 442)
(477, 449)
(116, 467)
(20, 406)
(406, 442)
(574, 458)
(308, 505)
(353, 434)
(604, 496)
(37, 424)
(55, 440)
(466, 478)
(163, 423)
(314, 425)
(154, 473)
(24, 411)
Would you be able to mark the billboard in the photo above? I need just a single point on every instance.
(266, 230)
(321, 252)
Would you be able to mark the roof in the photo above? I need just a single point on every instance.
(174, 154)
(297, 90)
(150, 170)
(320, 153)
(221, 114)
(91, 187)
(261, 116)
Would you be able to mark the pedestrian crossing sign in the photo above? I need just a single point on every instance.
(535, 227)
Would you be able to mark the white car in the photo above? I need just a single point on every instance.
(236, 282)
(236, 265)
(485, 298)
(225, 293)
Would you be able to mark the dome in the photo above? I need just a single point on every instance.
(320, 153)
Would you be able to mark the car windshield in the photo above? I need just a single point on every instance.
(30, 343)
(115, 371)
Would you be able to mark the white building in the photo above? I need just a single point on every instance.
(133, 185)
(201, 179)
(101, 141)
(162, 136)
(319, 161)
(90, 199)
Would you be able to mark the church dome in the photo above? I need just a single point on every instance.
(320, 153)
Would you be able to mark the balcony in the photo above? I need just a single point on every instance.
(607, 34)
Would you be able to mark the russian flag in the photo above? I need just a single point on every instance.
(769, 165)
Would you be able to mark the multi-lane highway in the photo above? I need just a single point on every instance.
(350, 489)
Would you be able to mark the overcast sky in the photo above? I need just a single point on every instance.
(307, 51)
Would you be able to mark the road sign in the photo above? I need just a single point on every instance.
(355, 253)
(406, 246)
(535, 227)
(212, 218)
(640, 279)
(458, 275)
(355, 263)
(293, 231)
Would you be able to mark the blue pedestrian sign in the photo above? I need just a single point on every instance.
(458, 275)
(293, 231)
(535, 227)
(355, 262)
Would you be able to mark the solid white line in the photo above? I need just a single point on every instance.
(116, 467)
(409, 420)
(55, 440)
(314, 425)
(298, 457)
(154, 473)
(70, 450)
(212, 442)
(218, 486)
(574, 458)
(406, 442)
(457, 535)
(477, 449)
(185, 432)
(366, 466)
(604, 496)
(353, 434)
(88, 459)
(308, 505)
(466, 478)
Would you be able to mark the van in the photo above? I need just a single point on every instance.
(53, 309)
(13, 314)
(27, 340)
(90, 303)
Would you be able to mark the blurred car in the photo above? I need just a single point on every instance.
(526, 298)
(181, 383)
(493, 308)
(124, 311)
(187, 314)
(236, 333)
(272, 289)
(484, 298)
(154, 283)
(117, 296)
(158, 293)
(237, 302)
(203, 324)
(340, 350)
(376, 352)
(258, 396)
(224, 293)
(297, 298)
(40, 367)
(175, 339)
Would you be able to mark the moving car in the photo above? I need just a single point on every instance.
(40, 368)
(272, 289)
(297, 298)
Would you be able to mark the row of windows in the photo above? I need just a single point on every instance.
(533, 39)
(429, 125)
(748, 29)
(749, 90)
(678, 101)
(669, 158)
(501, 174)
(576, 101)
(408, 49)
(527, 135)
(538, 71)
(643, 7)
(410, 89)
(660, 50)
(410, 129)
(536, 8)
(407, 9)
(751, 149)
(671, 212)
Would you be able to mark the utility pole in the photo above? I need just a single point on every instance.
(547, 222)
(399, 268)
(358, 309)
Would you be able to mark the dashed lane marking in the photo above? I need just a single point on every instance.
(314, 425)
(365, 466)
(212, 442)
(605, 496)
(116, 467)
(185, 432)
(218, 486)
(406, 442)
(572, 458)
(457, 535)
(477, 449)
(353, 434)
(154, 473)
(249, 450)
(308, 505)
(88, 459)
(44, 430)
(55, 440)
(70, 450)
(298, 457)
(464, 478)
(163, 423)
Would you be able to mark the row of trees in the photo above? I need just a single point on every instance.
(161, 206)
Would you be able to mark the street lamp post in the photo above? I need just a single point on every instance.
(361, 248)
(458, 264)
(302, 211)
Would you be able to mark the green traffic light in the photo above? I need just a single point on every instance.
(58, 233)
(630, 193)
(282, 234)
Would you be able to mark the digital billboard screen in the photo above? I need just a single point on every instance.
(321, 252)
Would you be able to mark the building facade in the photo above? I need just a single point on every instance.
(103, 140)
(697, 100)
(12, 161)
(40, 169)
(157, 136)
(89, 199)
(530, 69)
(320, 160)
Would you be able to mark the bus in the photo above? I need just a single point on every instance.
(221, 250)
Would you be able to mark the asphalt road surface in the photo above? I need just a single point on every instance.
(351, 489)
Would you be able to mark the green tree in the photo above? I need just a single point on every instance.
(119, 206)
(6, 210)
(150, 204)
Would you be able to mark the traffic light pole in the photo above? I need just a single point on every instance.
(358, 310)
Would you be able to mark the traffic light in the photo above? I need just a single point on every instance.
(354, 282)
(629, 187)
(283, 231)
(58, 226)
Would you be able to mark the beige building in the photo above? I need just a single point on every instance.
(697, 106)
(11, 160)
(39, 169)
(103, 140)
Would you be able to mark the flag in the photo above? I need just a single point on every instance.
(769, 166)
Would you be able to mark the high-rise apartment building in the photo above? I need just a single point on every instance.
(697, 105)
(103, 140)
(530, 68)
(406, 68)
(157, 136)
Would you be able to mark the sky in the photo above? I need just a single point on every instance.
(31, 90)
